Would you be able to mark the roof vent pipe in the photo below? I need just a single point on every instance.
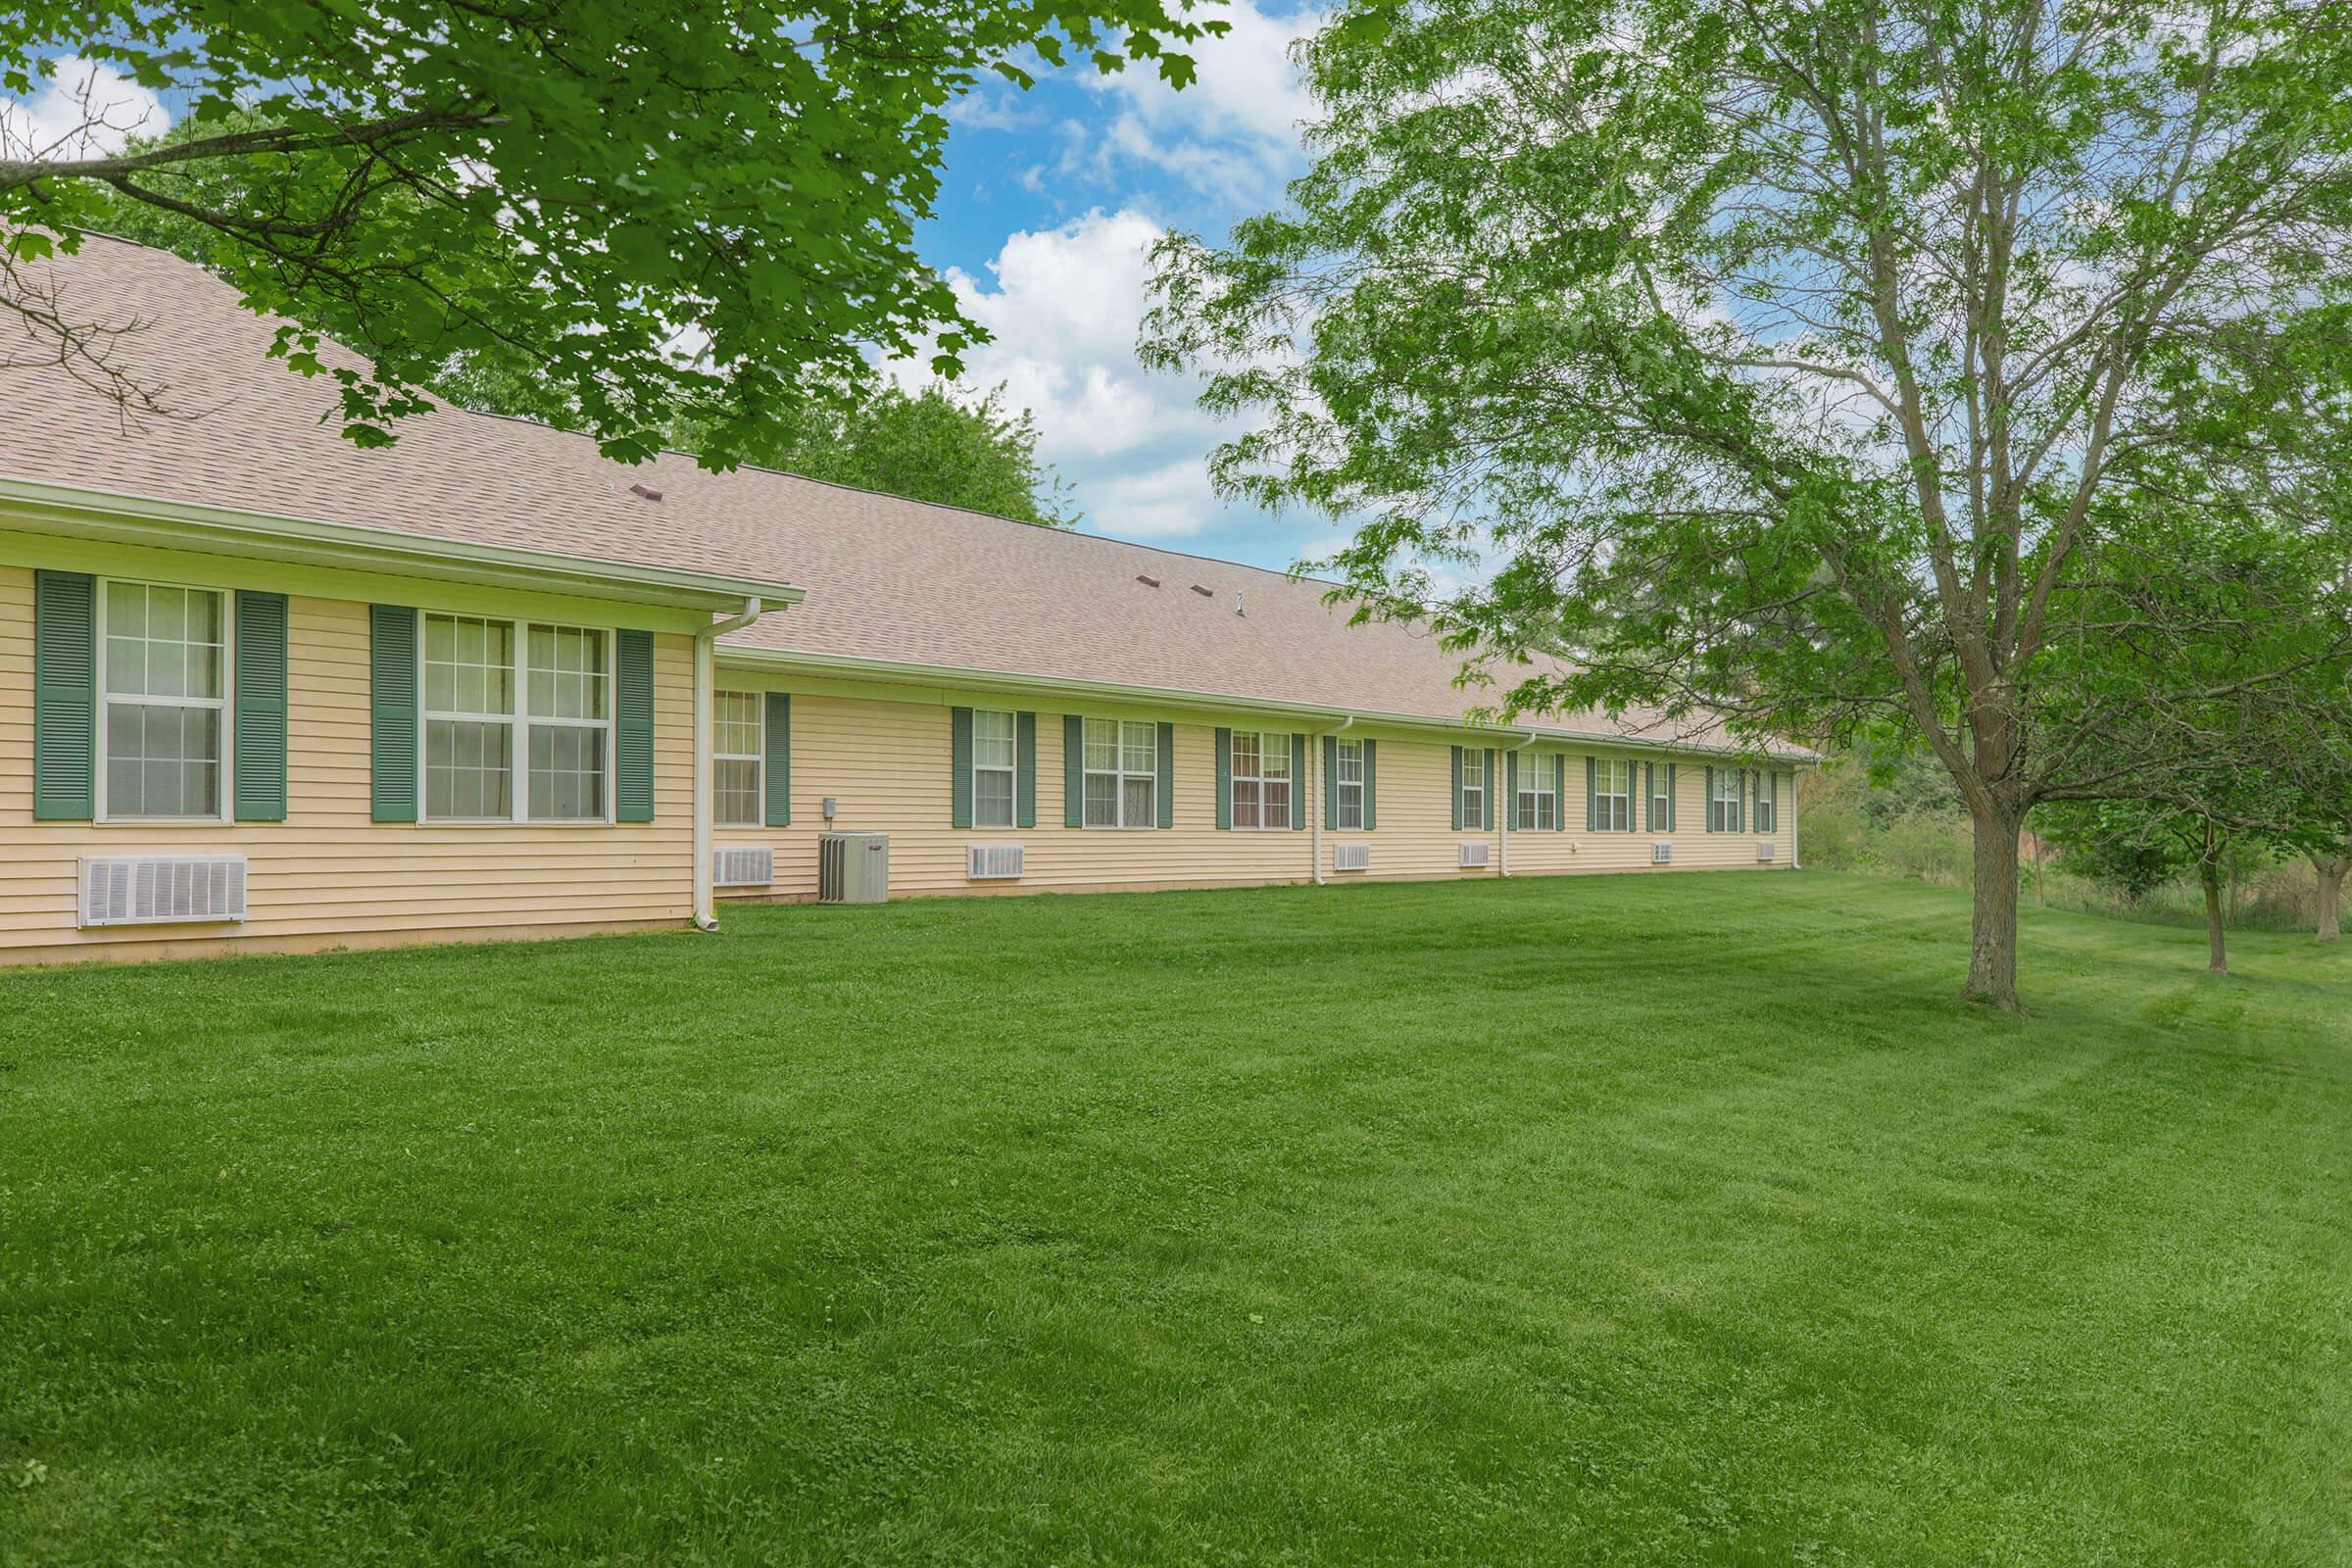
(1239, 607)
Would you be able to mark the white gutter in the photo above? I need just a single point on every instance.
(34, 506)
(1314, 817)
(956, 675)
(706, 910)
(1510, 805)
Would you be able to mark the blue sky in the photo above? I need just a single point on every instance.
(1051, 198)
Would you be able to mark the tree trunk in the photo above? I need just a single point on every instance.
(2217, 958)
(2331, 869)
(1992, 917)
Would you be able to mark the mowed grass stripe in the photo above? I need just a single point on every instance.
(1608, 1219)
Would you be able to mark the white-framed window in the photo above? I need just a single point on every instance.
(1473, 789)
(1724, 809)
(1540, 791)
(1612, 797)
(1767, 813)
(1661, 797)
(995, 762)
(469, 718)
(1262, 770)
(499, 691)
(1122, 773)
(1348, 784)
(738, 757)
(162, 685)
(568, 692)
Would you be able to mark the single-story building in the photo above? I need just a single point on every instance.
(261, 688)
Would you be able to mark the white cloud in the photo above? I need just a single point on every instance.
(1170, 502)
(1063, 305)
(86, 111)
(1233, 133)
(1246, 86)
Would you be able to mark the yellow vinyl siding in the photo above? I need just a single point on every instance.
(1415, 807)
(883, 753)
(887, 765)
(1694, 848)
(329, 873)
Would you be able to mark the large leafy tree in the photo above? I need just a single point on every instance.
(933, 444)
(852, 427)
(643, 206)
(1791, 360)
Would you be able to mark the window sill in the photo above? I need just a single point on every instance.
(509, 821)
(164, 821)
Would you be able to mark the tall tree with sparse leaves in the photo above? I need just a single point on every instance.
(1790, 360)
(649, 207)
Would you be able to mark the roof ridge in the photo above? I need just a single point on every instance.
(1016, 523)
(885, 587)
(444, 405)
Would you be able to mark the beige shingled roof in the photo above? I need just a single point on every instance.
(886, 579)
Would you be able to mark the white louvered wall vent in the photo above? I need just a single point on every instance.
(1351, 856)
(1475, 853)
(1765, 848)
(162, 889)
(993, 862)
(741, 867)
(1661, 853)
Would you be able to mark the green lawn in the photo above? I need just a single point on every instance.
(1617, 1221)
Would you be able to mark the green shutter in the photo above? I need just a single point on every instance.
(1224, 779)
(1591, 807)
(1511, 790)
(261, 717)
(1458, 789)
(1707, 807)
(1559, 787)
(1669, 797)
(1650, 796)
(65, 696)
(1166, 751)
(1297, 783)
(1488, 826)
(1074, 770)
(1633, 781)
(633, 740)
(392, 722)
(1371, 786)
(776, 764)
(1331, 783)
(1025, 759)
(960, 758)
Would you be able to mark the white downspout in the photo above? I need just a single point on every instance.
(1314, 817)
(1502, 823)
(706, 913)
